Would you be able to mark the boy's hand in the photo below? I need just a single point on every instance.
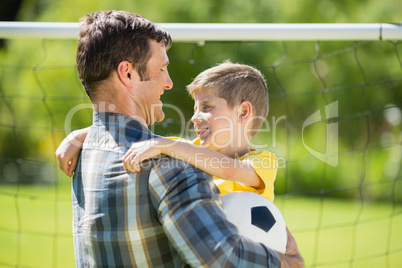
(140, 151)
(68, 152)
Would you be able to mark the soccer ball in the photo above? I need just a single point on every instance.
(256, 218)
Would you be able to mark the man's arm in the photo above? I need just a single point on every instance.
(69, 150)
(292, 256)
(189, 209)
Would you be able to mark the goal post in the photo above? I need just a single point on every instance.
(190, 32)
(334, 124)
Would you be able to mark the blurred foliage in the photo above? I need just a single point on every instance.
(40, 89)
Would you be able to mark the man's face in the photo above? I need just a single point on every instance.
(148, 92)
(214, 121)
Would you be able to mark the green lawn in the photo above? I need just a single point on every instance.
(35, 229)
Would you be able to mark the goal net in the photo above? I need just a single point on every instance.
(334, 124)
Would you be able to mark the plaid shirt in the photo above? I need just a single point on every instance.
(168, 215)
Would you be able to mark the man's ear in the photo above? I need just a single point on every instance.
(245, 111)
(125, 72)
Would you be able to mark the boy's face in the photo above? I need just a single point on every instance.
(215, 123)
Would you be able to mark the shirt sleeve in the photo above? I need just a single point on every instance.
(265, 165)
(189, 209)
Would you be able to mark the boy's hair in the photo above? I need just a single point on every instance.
(236, 83)
(107, 38)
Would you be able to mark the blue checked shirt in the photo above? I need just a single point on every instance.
(168, 215)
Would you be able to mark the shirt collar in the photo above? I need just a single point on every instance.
(118, 119)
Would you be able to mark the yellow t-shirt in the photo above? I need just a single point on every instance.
(264, 164)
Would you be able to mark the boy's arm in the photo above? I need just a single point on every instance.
(210, 161)
(69, 150)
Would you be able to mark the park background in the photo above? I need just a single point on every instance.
(348, 215)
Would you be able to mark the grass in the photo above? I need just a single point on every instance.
(35, 229)
(339, 233)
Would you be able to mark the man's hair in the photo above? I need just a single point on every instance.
(108, 38)
(236, 83)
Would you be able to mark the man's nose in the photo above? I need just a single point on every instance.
(168, 82)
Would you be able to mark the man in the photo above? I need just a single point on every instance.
(169, 214)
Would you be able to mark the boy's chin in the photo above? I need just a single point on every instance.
(204, 143)
(208, 144)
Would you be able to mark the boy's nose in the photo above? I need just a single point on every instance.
(196, 118)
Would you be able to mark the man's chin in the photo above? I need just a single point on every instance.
(159, 116)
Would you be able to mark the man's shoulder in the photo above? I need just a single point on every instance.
(117, 130)
(169, 176)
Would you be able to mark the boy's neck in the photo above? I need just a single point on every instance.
(235, 152)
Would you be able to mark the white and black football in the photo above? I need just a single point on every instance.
(256, 218)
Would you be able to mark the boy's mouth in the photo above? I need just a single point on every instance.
(201, 131)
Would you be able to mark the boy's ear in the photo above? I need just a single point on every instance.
(245, 111)
(125, 72)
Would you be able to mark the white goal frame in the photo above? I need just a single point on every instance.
(198, 32)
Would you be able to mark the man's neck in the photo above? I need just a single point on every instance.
(108, 107)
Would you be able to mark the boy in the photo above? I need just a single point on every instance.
(231, 103)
